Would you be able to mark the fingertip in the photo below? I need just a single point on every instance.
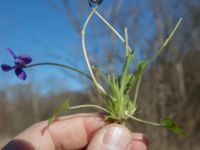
(140, 142)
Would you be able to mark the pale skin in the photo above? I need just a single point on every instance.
(78, 132)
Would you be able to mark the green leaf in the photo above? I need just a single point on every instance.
(125, 72)
(94, 68)
(113, 85)
(130, 81)
(58, 110)
(141, 68)
(170, 124)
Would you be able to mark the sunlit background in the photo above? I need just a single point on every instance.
(50, 31)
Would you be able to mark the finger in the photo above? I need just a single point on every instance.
(140, 142)
(71, 132)
(111, 137)
(77, 130)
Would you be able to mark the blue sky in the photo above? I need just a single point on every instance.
(34, 28)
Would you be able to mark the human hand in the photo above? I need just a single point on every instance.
(80, 132)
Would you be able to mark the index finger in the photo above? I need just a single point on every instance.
(70, 132)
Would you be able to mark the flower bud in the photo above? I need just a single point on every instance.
(93, 3)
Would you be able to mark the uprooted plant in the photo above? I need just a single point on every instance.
(117, 103)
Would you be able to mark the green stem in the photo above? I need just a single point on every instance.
(144, 121)
(60, 65)
(117, 33)
(167, 40)
(90, 106)
(137, 90)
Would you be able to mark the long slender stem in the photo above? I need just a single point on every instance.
(90, 106)
(137, 90)
(126, 40)
(117, 33)
(60, 65)
(144, 121)
(85, 52)
(167, 40)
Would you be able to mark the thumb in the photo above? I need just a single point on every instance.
(111, 137)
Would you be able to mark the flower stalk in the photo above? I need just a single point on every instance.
(60, 65)
(98, 86)
(117, 34)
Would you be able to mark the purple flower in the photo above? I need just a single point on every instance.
(20, 63)
(92, 3)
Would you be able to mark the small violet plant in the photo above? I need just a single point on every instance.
(117, 103)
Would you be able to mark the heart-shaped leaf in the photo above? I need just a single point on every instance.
(170, 124)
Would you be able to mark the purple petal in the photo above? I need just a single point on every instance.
(20, 62)
(6, 67)
(20, 73)
(11, 52)
(25, 58)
